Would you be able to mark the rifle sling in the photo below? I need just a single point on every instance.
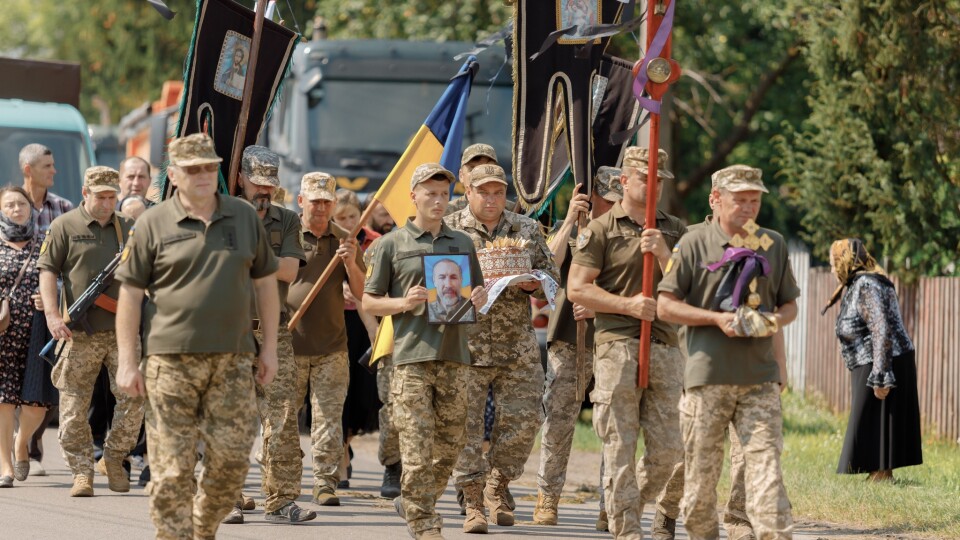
(103, 301)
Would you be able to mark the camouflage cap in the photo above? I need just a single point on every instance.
(100, 178)
(429, 170)
(739, 178)
(477, 150)
(318, 186)
(639, 158)
(607, 184)
(261, 166)
(484, 174)
(195, 149)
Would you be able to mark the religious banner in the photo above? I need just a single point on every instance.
(561, 74)
(216, 69)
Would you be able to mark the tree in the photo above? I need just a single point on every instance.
(877, 156)
(434, 20)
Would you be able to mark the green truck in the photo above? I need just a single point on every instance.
(38, 104)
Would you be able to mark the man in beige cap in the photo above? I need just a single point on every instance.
(200, 254)
(561, 402)
(606, 276)
(505, 354)
(79, 245)
(473, 156)
(430, 361)
(281, 462)
(320, 338)
(730, 377)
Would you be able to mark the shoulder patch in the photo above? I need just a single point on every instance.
(584, 238)
(126, 253)
(43, 246)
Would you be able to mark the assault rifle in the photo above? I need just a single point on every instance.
(77, 313)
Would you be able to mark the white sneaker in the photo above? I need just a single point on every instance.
(36, 469)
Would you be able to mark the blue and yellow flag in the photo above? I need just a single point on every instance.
(439, 140)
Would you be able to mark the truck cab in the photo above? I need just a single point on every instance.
(350, 108)
(58, 126)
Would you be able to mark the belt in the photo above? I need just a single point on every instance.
(255, 324)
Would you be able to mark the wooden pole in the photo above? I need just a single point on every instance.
(581, 333)
(331, 266)
(240, 134)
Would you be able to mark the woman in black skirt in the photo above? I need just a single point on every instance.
(883, 432)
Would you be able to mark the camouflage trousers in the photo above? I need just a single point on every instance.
(620, 411)
(389, 450)
(282, 463)
(328, 376)
(75, 375)
(193, 397)
(561, 408)
(430, 406)
(517, 394)
(754, 411)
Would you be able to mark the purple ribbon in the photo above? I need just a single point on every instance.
(751, 260)
(656, 47)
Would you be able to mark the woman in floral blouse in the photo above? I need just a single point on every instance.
(19, 245)
(883, 432)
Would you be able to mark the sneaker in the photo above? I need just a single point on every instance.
(545, 512)
(235, 517)
(82, 486)
(36, 468)
(325, 497)
(118, 479)
(290, 514)
(664, 528)
(602, 523)
(391, 481)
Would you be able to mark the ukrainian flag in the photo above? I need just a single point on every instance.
(439, 140)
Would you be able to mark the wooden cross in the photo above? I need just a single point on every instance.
(752, 241)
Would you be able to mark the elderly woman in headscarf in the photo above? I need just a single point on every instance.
(883, 432)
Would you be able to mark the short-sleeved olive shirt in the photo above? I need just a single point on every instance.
(322, 329)
(198, 276)
(395, 266)
(611, 244)
(78, 248)
(712, 357)
(562, 326)
(283, 232)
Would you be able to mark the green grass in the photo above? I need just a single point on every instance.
(924, 500)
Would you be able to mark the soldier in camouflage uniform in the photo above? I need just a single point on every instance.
(561, 403)
(282, 462)
(430, 361)
(606, 276)
(730, 376)
(79, 245)
(505, 355)
(200, 255)
(320, 337)
(472, 156)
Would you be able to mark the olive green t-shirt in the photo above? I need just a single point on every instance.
(283, 232)
(396, 265)
(611, 244)
(322, 329)
(198, 276)
(712, 357)
(78, 248)
(562, 326)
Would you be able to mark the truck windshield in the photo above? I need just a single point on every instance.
(69, 156)
(368, 124)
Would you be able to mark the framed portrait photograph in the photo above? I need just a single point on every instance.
(448, 288)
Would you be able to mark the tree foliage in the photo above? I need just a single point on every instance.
(435, 20)
(877, 156)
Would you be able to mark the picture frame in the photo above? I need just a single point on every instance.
(448, 282)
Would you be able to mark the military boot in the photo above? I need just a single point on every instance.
(324, 496)
(476, 521)
(235, 517)
(545, 512)
(664, 528)
(739, 531)
(82, 486)
(391, 481)
(495, 498)
(429, 534)
(117, 478)
(602, 524)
